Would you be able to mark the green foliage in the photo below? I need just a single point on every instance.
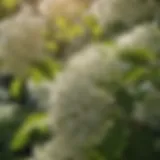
(34, 122)
(142, 66)
(15, 87)
(9, 4)
(139, 56)
(38, 73)
(44, 70)
(8, 127)
(94, 27)
(129, 139)
(63, 32)
(140, 144)
(125, 141)
(8, 7)
(115, 141)
(139, 141)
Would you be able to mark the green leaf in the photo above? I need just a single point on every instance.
(90, 21)
(139, 56)
(135, 75)
(95, 155)
(97, 31)
(15, 87)
(115, 141)
(52, 46)
(44, 70)
(9, 4)
(61, 23)
(36, 75)
(36, 121)
(75, 31)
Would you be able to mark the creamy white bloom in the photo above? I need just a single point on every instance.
(80, 111)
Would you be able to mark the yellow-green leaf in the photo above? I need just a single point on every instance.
(34, 121)
(15, 87)
(36, 75)
(9, 4)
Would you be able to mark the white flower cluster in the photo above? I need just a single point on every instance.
(21, 42)
(21, 39)
(81, 110)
